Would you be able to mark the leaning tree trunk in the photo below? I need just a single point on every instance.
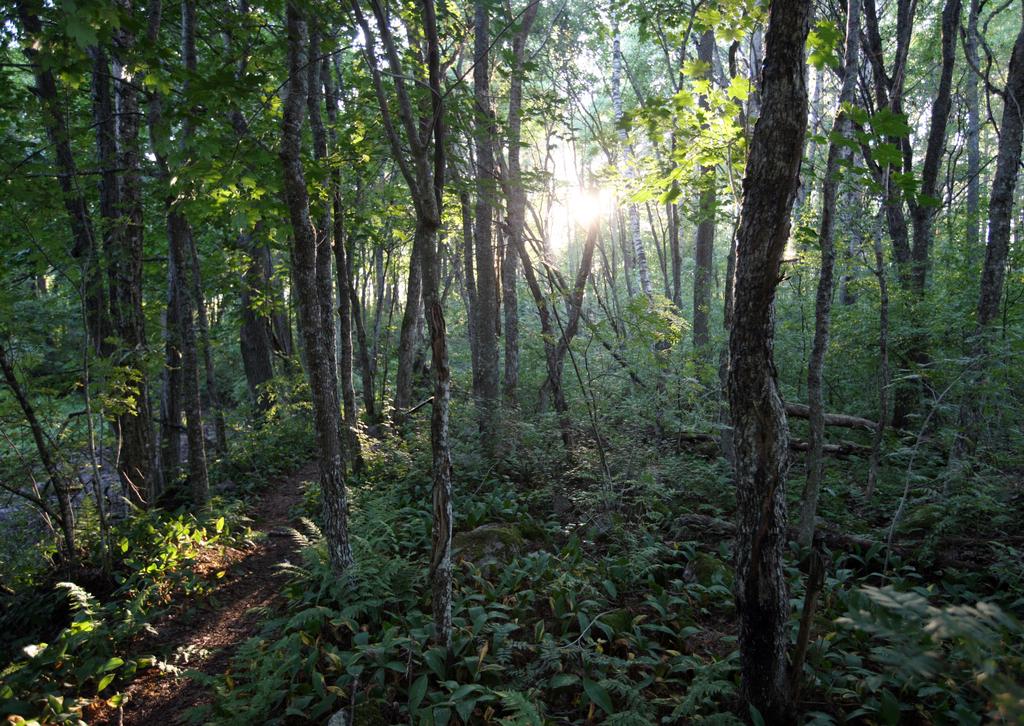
(761, 437)
(841, 127)
(322, 376)
(61, 485)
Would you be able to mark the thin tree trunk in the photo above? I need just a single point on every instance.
(322, 375)
(973, 141)
(342, 264)
(212, 391)
(704, 244)
(516, 204)
(628, 164)
(61, 485)
(672, 212)
(883, 365)
(759, 421)
(841, 128)
(993, 274)
(254, 335)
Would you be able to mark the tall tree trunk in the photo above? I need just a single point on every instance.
(407, 338)
(138, 464)
(255, 338)
(486, 375)
(344, 267)
(841, 128)
(761, 435)
(672, 213)
(628, 166)
(122, 238)
(322, 375)
(181, 390)
(516, 204)
(212, 390)
(883, 365)
(923, 212)
(973, 140)
(703, 250)
(85, 248)
(993, 274)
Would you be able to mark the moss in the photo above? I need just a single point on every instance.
(489, 543)
(704, 568)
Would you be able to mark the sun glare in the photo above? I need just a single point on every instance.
(576, 210)
(587, 206)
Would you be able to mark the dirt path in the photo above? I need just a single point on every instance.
(204, 635)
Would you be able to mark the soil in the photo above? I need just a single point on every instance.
(202, 635)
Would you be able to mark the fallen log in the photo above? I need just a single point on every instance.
(707, 444)
(800, 410)
(717, 528)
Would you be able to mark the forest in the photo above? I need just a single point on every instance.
(511, 362)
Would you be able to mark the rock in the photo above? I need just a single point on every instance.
(561, 504)
(340, 718)
(489, 544)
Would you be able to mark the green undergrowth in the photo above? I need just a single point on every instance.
(87, 663)
(67, 649)
(588, 613)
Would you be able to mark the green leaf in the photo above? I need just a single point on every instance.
(219, 525)
(435, 660)
(105, 681)
(756, 717)
(889, 123)
(887, 154)
(739, 88)
(417, 691)
(890, 708)
(598, 695)
(563, 680)
(112, 664)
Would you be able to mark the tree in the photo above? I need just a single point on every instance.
(841, 127)
(485, 308)
(322, 374)
(760, 433)
(993, 273)
(423, 168)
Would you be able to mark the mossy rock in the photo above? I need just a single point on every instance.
(707, 569)
(489, 544)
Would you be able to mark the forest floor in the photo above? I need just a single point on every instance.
(203, 635)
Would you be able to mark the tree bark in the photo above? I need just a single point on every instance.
(322, 375)
(486, 375)
(84, 246)
(343, 265)
(993, 274)
(973, 140)
(704, 243)
(423, 168)
(759, 423)
(254, 337)
(516, 204)
(841, 128)
(628, 166)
